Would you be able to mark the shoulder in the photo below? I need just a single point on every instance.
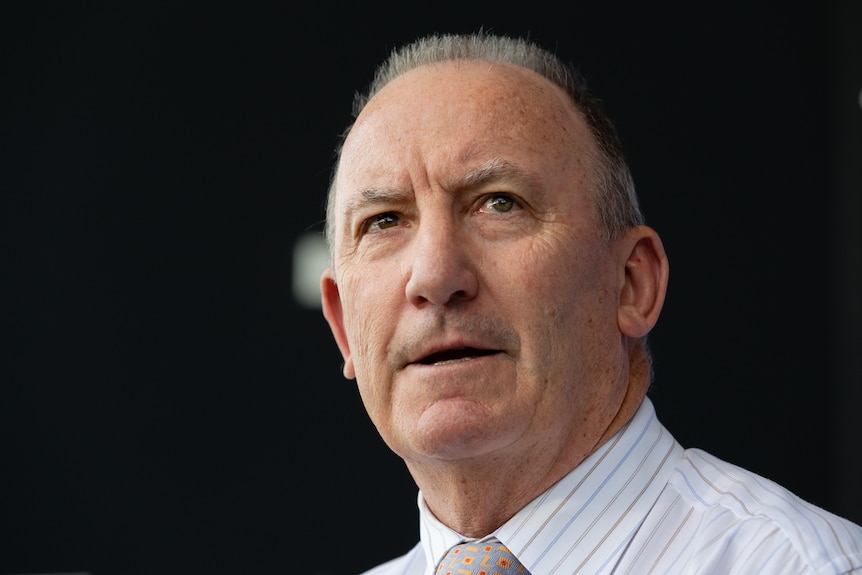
(744, 510)
(410, 563)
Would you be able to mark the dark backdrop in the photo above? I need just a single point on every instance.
(165, 404)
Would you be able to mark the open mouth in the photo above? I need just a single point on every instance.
(455, 355)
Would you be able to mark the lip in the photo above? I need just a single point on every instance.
(450, 353)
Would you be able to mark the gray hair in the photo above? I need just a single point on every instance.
(615, 200)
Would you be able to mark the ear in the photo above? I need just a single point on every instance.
(643, 283)
(332, 311)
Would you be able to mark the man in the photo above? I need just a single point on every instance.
(491, 291)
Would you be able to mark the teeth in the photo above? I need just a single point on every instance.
(456, 360)
(455, 356)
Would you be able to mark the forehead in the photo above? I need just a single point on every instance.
(501, 84)
(441, 118)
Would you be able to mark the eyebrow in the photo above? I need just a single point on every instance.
(497, 169)
(494, 170)
(372, 196)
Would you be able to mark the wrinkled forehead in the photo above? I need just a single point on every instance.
(457, 115)
(457, 106)
(498, 92)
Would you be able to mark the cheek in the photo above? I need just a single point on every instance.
(551, 274)
(368, 326)
(569, 294)
(369, 319)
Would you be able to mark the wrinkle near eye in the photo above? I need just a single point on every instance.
(367, 201)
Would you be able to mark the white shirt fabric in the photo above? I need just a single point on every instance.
(642, 504)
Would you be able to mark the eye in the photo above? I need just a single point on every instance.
(381, 222)
(499, 203)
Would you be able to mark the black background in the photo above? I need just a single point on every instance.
(165, 405)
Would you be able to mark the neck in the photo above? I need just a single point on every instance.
(477, 508)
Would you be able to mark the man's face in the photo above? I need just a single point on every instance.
(471, 295)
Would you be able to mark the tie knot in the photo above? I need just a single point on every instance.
(480, 558)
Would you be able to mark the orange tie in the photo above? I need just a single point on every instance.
(480, 558)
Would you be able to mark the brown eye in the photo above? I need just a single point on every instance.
(382, 221)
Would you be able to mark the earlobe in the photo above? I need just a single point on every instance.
(644, 277)
(332, 311)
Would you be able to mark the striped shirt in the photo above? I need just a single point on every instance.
(642, 504)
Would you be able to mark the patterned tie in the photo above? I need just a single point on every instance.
(480, 558)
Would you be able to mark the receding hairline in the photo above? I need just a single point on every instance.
(480, 46)
(496, 167)
(614, 195)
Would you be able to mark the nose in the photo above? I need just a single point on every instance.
(441, 269)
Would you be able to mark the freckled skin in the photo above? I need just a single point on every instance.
(537, 283)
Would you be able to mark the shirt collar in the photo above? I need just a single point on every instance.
(598, 505)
